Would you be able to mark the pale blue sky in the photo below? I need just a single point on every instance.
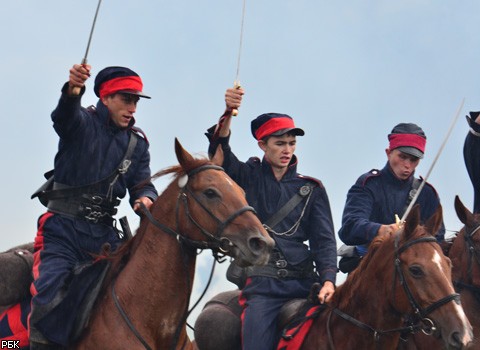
(347, 71)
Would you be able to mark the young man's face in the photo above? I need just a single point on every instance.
(403, 165)
(279, 150)
(121, 107)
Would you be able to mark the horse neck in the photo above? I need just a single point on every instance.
(366, 295)
(158, 277)
(461, 257)
(369, 298)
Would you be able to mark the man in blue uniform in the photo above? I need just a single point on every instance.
(270, 183)
(471, 155)
(379, 195)
(100, 156)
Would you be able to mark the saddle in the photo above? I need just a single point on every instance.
(223, 313)
(15, 274)
(80, 293)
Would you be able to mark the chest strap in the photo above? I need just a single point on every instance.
(48, 192)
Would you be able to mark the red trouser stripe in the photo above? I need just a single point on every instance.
(38, 247)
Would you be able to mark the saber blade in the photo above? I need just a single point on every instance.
(414, 199)
(84, 61)
(76, 90)
(236, 83)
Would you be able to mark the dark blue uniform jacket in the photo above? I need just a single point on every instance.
(471, 155)
(267, 196)
(374, 200)
(91, 147)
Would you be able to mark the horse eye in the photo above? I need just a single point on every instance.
(211, 193)
(416, 271)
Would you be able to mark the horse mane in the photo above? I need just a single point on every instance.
(357, 276)
(348, 289)
(120, 257)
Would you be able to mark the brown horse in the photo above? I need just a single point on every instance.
(404, 276)
(465, 255)
(145, 299)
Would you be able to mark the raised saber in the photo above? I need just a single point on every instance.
(236, 83)
(76, 90)
(414, 199)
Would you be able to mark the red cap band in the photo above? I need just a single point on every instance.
(122, 83)
(407, 140)
(273, 125)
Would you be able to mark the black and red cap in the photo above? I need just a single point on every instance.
(274, 124)
(112, 80)
(408, 138)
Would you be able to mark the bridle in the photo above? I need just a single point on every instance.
(219, 244)
(472, 255)
(419, 321)
(420, 314)
(216, 242)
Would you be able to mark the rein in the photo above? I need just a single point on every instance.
(422, 323)
(218, 244)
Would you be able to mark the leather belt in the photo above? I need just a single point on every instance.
(276, 272)
(94, 209)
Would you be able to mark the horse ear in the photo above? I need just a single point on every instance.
(412, 220)
(218, 157)
(183, 156)
(435, 221)
(464, 215)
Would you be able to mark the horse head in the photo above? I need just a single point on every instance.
(408, 279)
(424, 273)
(465, 250)
(212, 212)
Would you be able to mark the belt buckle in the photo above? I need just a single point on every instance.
(91, 215)
(96, 199)
(282, 273)
(281, 263)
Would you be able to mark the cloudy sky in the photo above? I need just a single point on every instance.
(347, 71)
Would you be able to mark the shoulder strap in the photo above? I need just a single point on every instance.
(288, 207)
(122, 168)
(415, 185)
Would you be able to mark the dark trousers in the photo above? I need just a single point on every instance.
(262, 298)
(62, 244)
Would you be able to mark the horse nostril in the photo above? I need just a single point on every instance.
(455, 341)
(257, 245)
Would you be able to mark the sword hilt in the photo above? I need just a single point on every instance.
(236, 85)
(76, 90)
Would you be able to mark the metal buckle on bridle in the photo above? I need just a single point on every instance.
(428, 327)
(225, 245)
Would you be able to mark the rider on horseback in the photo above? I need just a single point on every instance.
(294, 209)
(379, 195)
(100, 156)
